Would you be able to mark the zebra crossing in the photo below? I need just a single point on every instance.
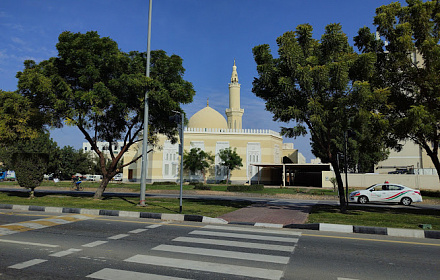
(227, 251)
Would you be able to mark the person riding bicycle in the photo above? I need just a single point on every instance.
(77, 183)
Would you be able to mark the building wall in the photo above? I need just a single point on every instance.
(253, 146)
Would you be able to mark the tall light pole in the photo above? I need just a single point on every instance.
(144, 170)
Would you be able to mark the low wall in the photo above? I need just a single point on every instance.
(424, 182)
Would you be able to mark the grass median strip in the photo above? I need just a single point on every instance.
(210, 208)
(371, 215)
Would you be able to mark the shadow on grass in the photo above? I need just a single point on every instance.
(214, 202)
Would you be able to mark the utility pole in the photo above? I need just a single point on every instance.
(145, 134)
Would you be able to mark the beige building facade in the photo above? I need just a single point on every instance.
(210, 131)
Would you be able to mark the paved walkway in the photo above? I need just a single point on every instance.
(274, 213)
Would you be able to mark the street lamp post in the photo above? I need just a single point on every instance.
(145, 134)
(180, 117)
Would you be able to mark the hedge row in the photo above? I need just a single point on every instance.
(164, 183)
(245, 188)
(201, 186)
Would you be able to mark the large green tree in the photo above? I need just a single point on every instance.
(40, 144)
(407, 55)
(197, 160)
(231, 160)
(313, 84)
(18, 120)
(72, 161)
(96, 87)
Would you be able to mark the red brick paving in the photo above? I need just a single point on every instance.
(266, 213)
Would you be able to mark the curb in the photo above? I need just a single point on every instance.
(395, 232)
(116, 213)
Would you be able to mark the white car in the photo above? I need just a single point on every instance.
(386, 192)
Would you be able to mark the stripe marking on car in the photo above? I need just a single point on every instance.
(397, 195)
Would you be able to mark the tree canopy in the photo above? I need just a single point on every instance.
(231, 160)
(318, 85)
(17, 119)
(407, 67)
(197, 160)
(100, 89)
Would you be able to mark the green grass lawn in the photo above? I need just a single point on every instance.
(402, 217)
(210, 208)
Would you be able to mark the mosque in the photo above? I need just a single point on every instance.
(264, 155)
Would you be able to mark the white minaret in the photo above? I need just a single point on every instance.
(234, 112)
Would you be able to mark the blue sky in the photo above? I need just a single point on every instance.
(207, 34)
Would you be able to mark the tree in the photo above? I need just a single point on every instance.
(231, 160)
(17, 119)
(313, 83)
(73, 161)
(42, 143)
(30, 169)
(197, 160)
(408, 68)
(96, 87)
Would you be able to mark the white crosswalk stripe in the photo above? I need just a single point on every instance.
(250, 245)
(245, 236)
(223, 254)
(116, 274)
(254, 272)
(253, 253)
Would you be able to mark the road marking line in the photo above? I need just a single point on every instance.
(65, 253)
(138, 230)
(374, 240)
(41, 223)
(94, 244)
(119, 236)
(45, 223)
(29, 243)
(5, 231)
(154, 226)
(223, 254)
(27, 264)
(253, 272)
(236, 244)
(245, 236)
(32, 225)
(16, 227)
(117, 274)
(59, 221)
(254, 230)
(339, 278)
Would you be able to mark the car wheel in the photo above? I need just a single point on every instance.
(362, 199)
(406, 201)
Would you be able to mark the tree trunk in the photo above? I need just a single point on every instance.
(342, 202)
(32, 193)
(102, 187)
(436, 163)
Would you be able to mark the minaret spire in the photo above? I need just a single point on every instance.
(234, 76)
(234, 112)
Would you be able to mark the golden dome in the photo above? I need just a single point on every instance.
(207, 118)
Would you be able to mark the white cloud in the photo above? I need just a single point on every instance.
(18, 41)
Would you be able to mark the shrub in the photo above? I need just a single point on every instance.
(245, 188)
(201, 186)
(164, 183)
(30, 169)
(430, 193)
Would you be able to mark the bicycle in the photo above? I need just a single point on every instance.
(76, 187)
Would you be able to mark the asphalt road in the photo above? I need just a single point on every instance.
(70, 246)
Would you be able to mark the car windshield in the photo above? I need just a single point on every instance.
(371, 188)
